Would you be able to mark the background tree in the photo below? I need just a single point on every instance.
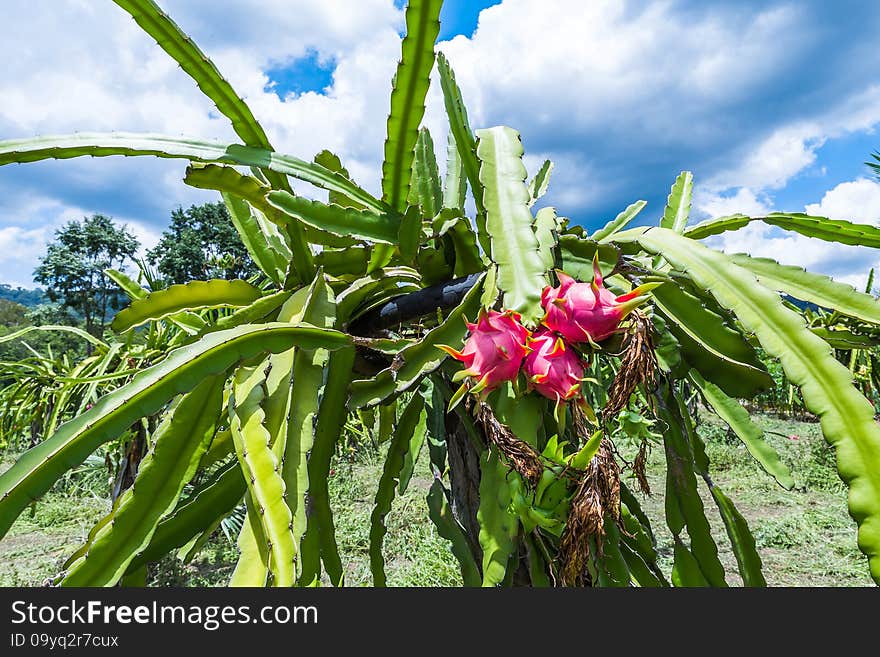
(201, 244)
(11, 313)
(73, 268)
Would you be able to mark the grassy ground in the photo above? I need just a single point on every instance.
(805, 536)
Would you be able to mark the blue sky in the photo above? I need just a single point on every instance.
(773, 105)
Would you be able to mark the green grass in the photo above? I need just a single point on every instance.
(805, 536)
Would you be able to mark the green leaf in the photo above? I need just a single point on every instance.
(85, 335)
(577, 257)
(613, 568)
(455, 183)
(408, 94)
(498, 525)
(678, 205)
(381, 256)
(332, 162)
(305, 378)
(254, 563)
(539, 184)
(214, 498)
(815, 288)
(231, 183)
(410, 234)
(846, 417)
(546, 229)
(220, 447)
(717, 226)
(513, 245)
(435, 404)
(412, 422)
(39, 467)
(747, 557)
(252, 568)
(460, 129)
(640, 571)
(738, 419)
(683, 503)
(178, 445)
(830, 230)
(453, 223)
(449, 529)
(227, 179)
(351, 260)
(133, 144)
(523, 415)
(265, 251)
(719, 352)
(126, 284)
(685, 570)
(253, 313)
(193, 61)
(843, 339)
(364, 293)
(425, 190)
(605, 233)
(638, 538)
(420, 359)
(411, 455)
(185, 296)
(742, 541)
(262, 472)
(347, 222)
(330, 420)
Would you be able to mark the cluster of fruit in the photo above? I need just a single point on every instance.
(499, 346)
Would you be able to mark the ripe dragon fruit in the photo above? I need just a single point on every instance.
(493, 352)
(552, 368)
(588, 312)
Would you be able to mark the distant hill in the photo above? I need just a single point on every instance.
(22, 296)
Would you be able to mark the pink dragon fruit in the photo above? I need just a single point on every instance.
(588, 312)
(552, 368)
(494, 351)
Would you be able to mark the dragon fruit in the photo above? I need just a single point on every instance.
(588, 312)
(493, 352)
(552, 368)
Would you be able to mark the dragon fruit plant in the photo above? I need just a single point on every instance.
(357, 292)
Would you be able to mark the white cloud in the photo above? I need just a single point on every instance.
(792, 148)
(857, 200)
(21, 248)
(595, 64)
(32, 226)
(744, 201)
(147, 236)
(774, 161)
(96, 70)
(621, 94)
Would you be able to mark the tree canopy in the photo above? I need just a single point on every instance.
(201, 243)
(74, 264)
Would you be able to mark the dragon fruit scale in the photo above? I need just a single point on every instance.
(493, 352)
(588, 312)
(552, 368)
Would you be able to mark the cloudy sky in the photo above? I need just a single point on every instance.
(773, 105)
